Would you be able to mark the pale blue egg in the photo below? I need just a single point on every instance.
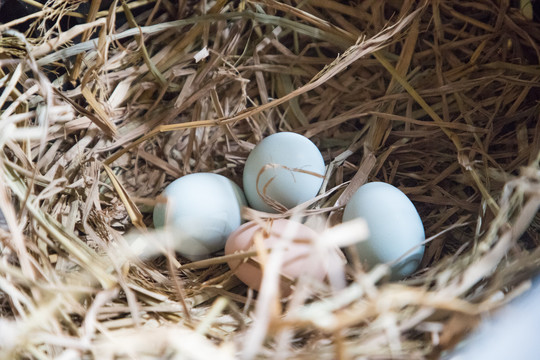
(395, 228)
(202, 209)
(286, 167)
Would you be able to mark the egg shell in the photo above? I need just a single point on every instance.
(283, 183)
(296, 261)
(394, 226)
(202, 209)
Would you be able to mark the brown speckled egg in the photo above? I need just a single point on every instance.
(296, 260)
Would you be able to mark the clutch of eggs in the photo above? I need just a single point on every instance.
(201, 210)
(396, 233)
(297, 256)
(284, 168)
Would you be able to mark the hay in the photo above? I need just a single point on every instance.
(439, 98)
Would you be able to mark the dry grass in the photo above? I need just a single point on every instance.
(440, 98)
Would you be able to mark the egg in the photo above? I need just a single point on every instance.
(296, 258)
(395, 228)
(285, 167)
(202, 209)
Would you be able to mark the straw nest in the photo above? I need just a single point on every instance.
(105, 103)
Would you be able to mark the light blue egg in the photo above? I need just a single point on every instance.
(202, 209)
(395, 228)
(286, 167)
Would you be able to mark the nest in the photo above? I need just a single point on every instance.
(105, 103)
